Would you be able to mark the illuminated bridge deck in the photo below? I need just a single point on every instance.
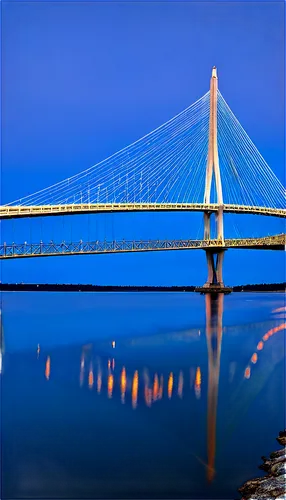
(20, 211)
(15, 251)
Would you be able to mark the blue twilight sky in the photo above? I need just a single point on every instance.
(81, 80)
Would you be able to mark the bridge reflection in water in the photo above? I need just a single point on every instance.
(108, 378)
(214, 313)
(105, 381)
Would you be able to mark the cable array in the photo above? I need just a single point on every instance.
(162, 166)
(246, 177)
(168, 165)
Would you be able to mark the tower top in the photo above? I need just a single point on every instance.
(214, 74)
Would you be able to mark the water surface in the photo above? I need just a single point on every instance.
(139, 395)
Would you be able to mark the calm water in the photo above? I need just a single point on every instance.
(146, 395)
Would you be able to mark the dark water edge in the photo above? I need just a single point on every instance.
(50, 287)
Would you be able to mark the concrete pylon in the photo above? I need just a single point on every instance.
(214, 269)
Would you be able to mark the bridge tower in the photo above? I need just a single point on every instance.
(214, 257)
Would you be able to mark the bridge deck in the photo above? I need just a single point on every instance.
(20, 211)
(13, 251)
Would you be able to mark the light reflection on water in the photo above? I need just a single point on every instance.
(205, 388)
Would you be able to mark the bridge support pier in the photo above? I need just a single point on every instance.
(214, 264)
(214, 284)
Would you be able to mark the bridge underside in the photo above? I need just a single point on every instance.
(21, 211)
(51, 249)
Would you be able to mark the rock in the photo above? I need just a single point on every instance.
(274, 484)
(282, 438)
(266, 489)
(279, 453)
(250, 487)
(277, 469)
(269, 464)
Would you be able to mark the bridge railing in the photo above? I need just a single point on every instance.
(96, 247)
(10, 211)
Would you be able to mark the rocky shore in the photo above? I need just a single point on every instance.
(273, 485)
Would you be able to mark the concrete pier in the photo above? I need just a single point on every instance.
(213, 289)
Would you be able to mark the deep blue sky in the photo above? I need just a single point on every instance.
(82, 80)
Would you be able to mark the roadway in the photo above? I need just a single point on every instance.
(20, 211)
(51, 249)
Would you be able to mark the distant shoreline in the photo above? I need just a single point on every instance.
(34, 287)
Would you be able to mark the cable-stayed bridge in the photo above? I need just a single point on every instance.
(202, 160)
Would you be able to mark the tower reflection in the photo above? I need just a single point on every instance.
(214, 313)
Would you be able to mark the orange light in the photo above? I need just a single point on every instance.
(254, 358)
(260, 345)
(170, 385)
(161, 387)
(90, 378)
(280, 327)
(198, 383)
(274, 330)
(113, 343)
(123, 384)
(108, 364)
(155, 388)
(135, 390)
(148, 396)
(180, 384)
(48, 368)
(109, 385)
(280, 309)
(99, 381)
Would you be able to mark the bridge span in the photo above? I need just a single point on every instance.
(23, 250)
(21, 211)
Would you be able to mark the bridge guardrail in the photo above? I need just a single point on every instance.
(13, 211)
(49, 249)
